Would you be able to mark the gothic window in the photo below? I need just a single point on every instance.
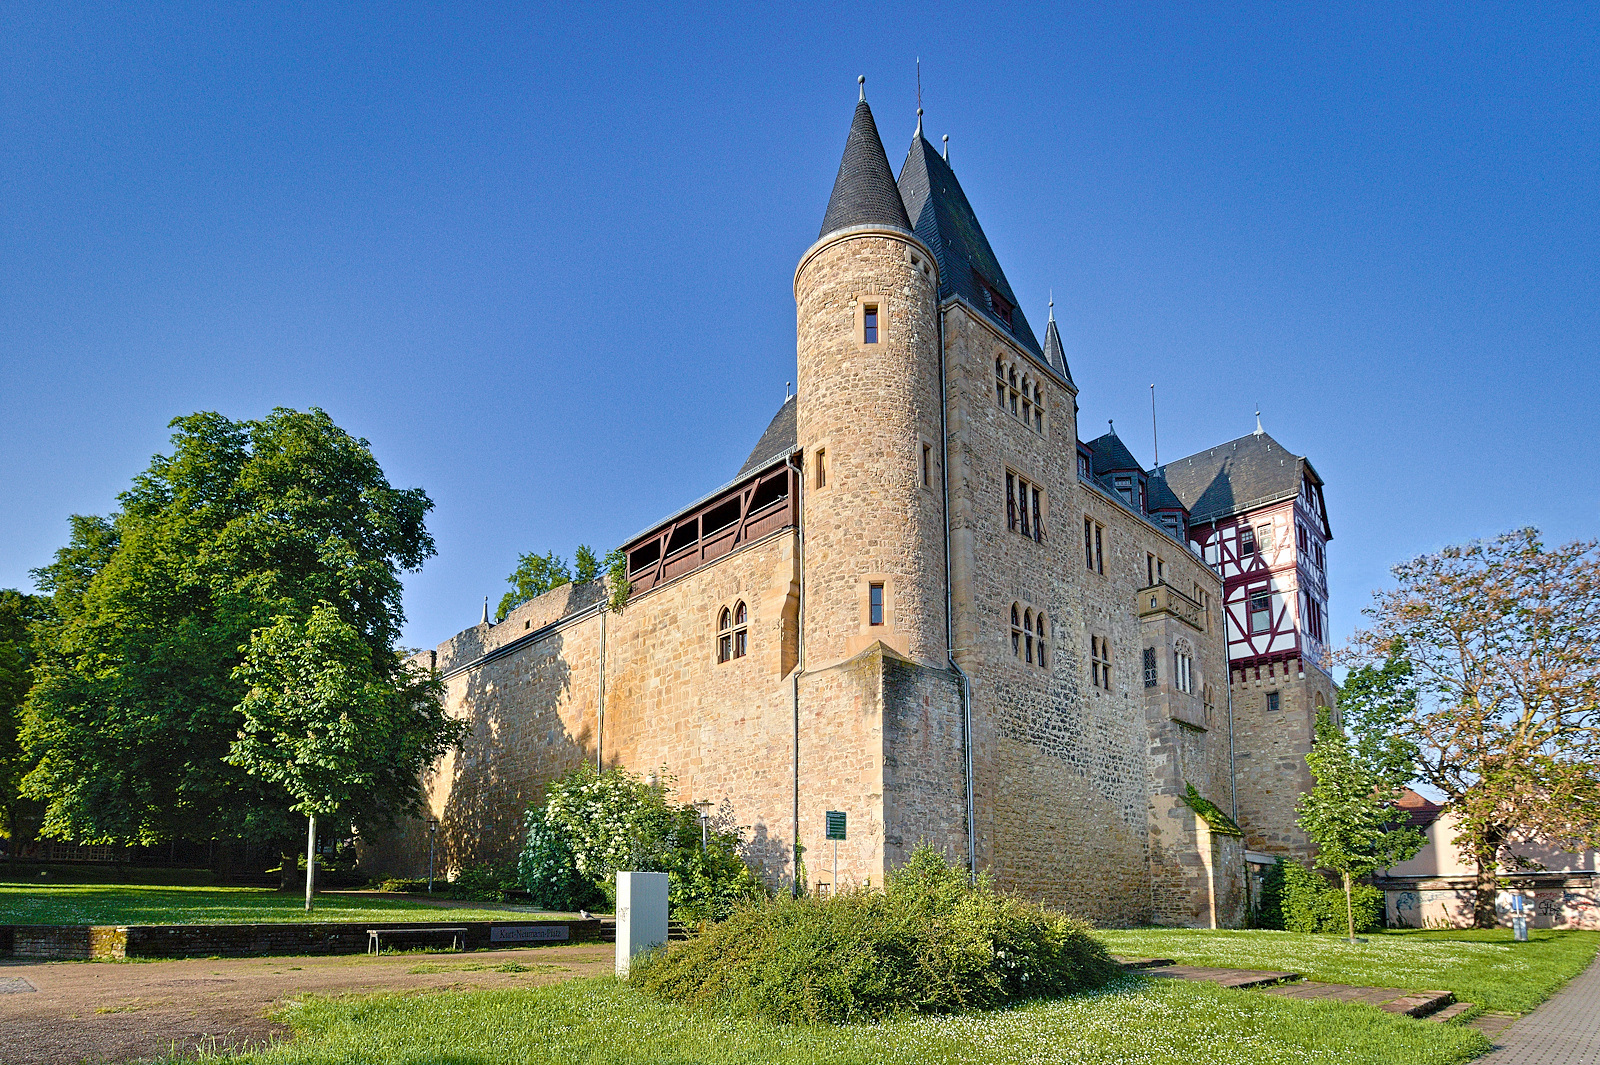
(1013, 379)
(1038, 408)
(1027, 636)
(1183, 666)
(725, 635)
(1039, 627)
(1100, 662)
(869, 324)
(741, 631)
(1000, 383)
(1261, 610)
(1149, 667)
(1027, 402)
(875, 604)
(1016, 631)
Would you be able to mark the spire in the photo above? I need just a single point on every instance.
(485, 620)
(864, 193)
(1054, 353)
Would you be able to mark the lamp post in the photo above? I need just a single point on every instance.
(701, 806)
(433, 829)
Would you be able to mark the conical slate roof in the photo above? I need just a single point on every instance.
(944, 221)
(1054, 354)
(864, 193)
(1111, 455)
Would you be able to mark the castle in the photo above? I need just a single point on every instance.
(925, 602)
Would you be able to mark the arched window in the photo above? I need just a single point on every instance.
(1027, 635)
(1016, 631)
(724, 635)
(1000, 383)
(1027, 402)
(1038, 627)
(741, 631)
(1183, 666)
(1013, 377)
(1038, 408)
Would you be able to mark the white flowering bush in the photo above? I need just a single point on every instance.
(932, 942)
(593, 824)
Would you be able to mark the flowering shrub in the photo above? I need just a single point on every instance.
(931, 942)
(593, 824)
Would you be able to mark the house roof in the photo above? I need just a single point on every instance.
(1112, 455)
(1420, 813)
(1237, 476)
(864, 193)
(944, 221)
(1054, 354)
(779, 440)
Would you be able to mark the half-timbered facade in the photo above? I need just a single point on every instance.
(924, 600)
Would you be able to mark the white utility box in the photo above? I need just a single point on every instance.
(641, 915)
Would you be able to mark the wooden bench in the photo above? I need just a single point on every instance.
(374, 936)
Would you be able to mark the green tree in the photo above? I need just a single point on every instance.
(588, 566)
(1501, 641)
(19, 611)
(135, 702)
(534, 575)
(334, 729)
(1351, 812)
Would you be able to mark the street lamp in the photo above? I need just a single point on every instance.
(701, 806)
(433, 831)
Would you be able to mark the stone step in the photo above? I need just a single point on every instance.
(1224, 977)
(1419, 1003)
(1450, 1013)
(1140, 963)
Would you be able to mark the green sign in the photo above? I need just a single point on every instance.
(835, 819)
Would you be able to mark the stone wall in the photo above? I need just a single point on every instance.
(111, 942)
(1270, 749)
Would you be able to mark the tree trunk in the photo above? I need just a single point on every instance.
(311, 859)
(1349, 907)
(1487, 885)
(222, 861)
(289, 856)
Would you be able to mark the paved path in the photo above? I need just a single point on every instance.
(1563, 1031)
(1289, 985)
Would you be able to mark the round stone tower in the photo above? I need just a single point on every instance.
(868, 420)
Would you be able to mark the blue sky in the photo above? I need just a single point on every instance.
(542, 258)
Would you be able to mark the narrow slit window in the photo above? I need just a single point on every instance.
(927, 466)
(822, 467)
(875, 604)
(869, 324)
(1039, 628)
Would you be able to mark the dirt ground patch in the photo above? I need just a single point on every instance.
(127, 1011)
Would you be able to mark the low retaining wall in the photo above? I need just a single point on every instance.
(80, 942)
(1559, 900)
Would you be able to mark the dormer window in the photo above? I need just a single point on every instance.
(869, 324)
(1124, 488)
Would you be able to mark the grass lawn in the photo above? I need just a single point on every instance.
(1483, 967)
(600, 1021)
(123, 904)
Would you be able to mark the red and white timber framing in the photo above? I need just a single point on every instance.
(1273, 563)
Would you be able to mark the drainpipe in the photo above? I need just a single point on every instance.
(799, 638)
(949, 602)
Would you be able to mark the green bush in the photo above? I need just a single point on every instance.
(930, 943)
(593, 824)
(1296, 899)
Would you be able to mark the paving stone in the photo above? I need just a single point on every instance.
(1140, 963)
(1450, 1013)
(15, 985)
(1224, 977)
(1563, 1031)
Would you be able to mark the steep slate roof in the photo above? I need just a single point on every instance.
(1237, 476)
(1160, 497)
(864, 193)
(944, 221)
(777, 442)
(1054, 354)
(1110, 454)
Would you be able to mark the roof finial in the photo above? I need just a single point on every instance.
(946, 147)
(1052, 305)
(861, 80)
(1113, 425)
(485, 620)
(786, 385)
(919, 96)
(1259, 430)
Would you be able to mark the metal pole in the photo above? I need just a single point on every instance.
(836, 867)
(433, 829)
(311, 856)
